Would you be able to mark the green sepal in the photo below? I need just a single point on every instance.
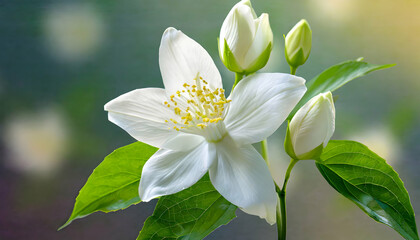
(288, 145)
(261, 61)
(298, 59)
(313, 154)
(229, 60)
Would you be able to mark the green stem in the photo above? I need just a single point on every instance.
(288, 171)
(283, 222)
(279, 221)
(238, 77)
(293, 70)
(264, 150)
(281, 210)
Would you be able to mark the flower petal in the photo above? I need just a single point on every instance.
(242, 177)
(260, 104)
(181, 59)
(263, 36)
(142, 114)
(313, 124)
(183, 142)
(238, 30)
(168, 171)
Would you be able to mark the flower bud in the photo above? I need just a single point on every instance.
(298, 44)
(245, 41)
(311, 128)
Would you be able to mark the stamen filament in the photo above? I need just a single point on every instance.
(196, 106)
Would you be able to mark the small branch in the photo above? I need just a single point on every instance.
(293, 70)
(238, 77)
(281, 215)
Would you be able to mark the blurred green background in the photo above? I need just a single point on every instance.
(61, 61)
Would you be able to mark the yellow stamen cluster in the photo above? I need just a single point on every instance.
(196, 105)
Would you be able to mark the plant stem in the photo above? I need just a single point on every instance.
(281, 210)
(238, 77)
(283, 223)
(288, 171)
(264, 150)
(279, 220)
(293, 70)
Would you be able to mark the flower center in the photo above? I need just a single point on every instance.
(199, 109)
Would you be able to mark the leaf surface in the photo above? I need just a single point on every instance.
(114, 184)
(335, 77)
(367, 180)
(190, 214)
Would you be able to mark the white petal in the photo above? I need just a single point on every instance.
(260, 104)
(168, 171)
(280, 160)
(142, 114)
(247, 3)
(181, 59)
(242, 177)
(239, 30)
(262, 38)
(313, 124)
(183, 142)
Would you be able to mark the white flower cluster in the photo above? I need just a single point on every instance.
(198, 130)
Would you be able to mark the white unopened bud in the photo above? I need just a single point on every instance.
(298, 44)
(311, 128)
(245, 41)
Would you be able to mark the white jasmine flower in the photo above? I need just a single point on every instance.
(245, 40)
(311, 128)
(198, 130)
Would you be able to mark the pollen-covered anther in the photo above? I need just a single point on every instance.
(197, 105)
(215, 120)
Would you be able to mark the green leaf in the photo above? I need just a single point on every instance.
(335, 77)
(114, 184)
(366, 179)
(190, 214)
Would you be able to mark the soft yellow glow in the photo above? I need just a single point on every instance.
(73, 31)
(36, 142)
(381, 141)
(341, 10)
